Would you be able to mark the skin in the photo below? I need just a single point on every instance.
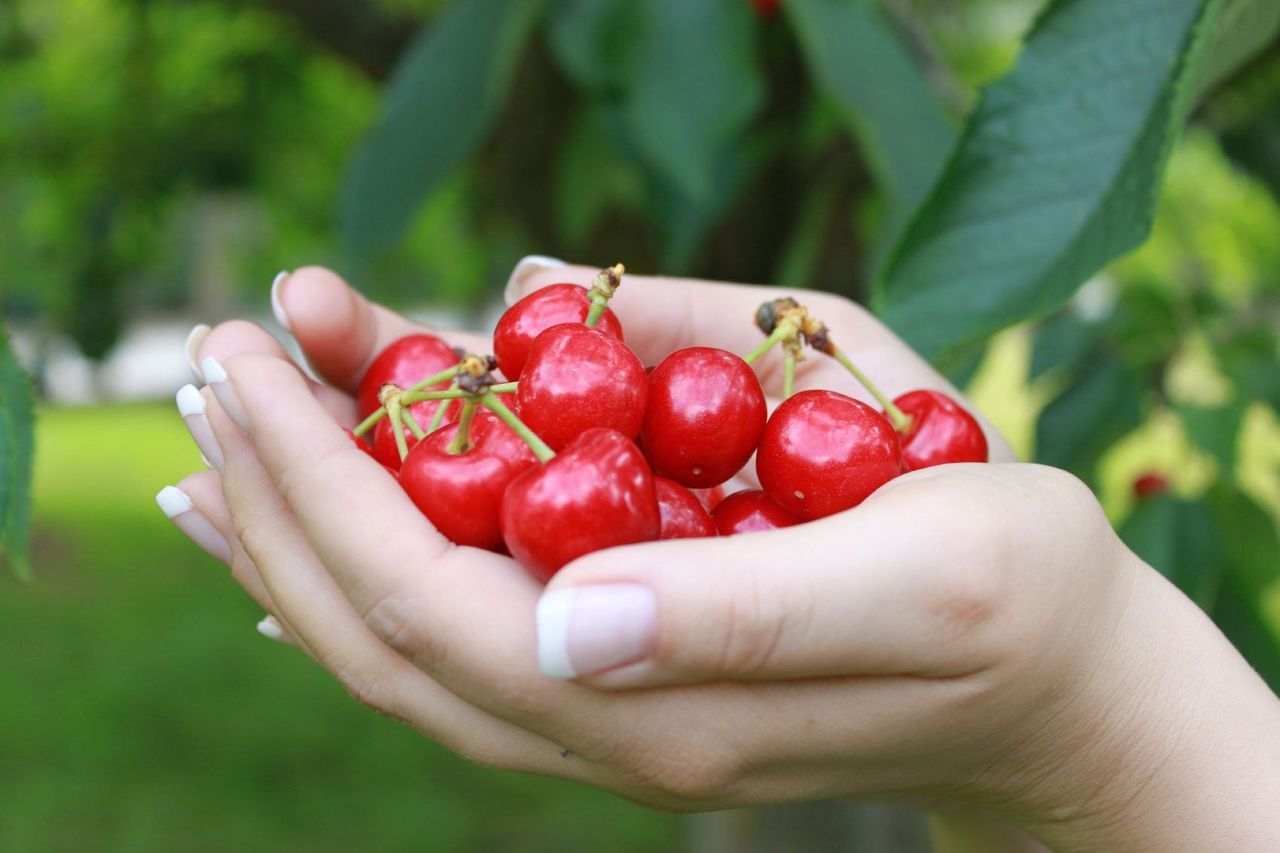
(973, 640)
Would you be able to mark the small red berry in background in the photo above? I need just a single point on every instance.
(750, 511)
(683, 515)
(765, 8)
(537, 312)
(1150, 485)
(823, 452)
(704, 416)
(941, 431)
(578, 378)
(403, 363)
(597, 493)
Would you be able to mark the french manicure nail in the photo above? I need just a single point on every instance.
(192, 348)
(526, 268)
(216, 376)
(271, 629)
(191, 406)
(181, 510)
(276, 307)
(589, 629)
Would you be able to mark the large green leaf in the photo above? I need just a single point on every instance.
(1178, 539)
(1100, 404)
(444, 96)
(693, 86)
(1252, 548)
(860, 64)
(1058, 167)
(16, 446)
(591, 41)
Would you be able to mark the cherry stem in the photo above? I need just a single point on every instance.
(602, 290)
(412, 423)
(462, 438)
(381, 412)
(539, 447)
(788, 373)
(900, 419)
(395, 413)
(779, 334)
(441, 410)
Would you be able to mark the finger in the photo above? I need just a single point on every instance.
(316, 612)
(240, 337)
(660, 315)
(342, 332)
(906, 584)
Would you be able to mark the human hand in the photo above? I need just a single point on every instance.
(956, 637)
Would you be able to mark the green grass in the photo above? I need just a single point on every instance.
(142, 712)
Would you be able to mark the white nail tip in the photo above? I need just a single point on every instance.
(213, 371)
(554, 609)
(190, 401)
(525, 267)
(173, 501)
(276, 308)
(271, 629)
(192, 348)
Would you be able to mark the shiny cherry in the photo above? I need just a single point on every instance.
(683, 516)
(404, 363)
(748, 511)
(704, 417)
(941, 431)
(596, 494)
(531, 316)
(578, 378)
(823, 452)
(710, 497)
(461, 493)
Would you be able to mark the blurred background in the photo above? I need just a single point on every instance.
(161, 160)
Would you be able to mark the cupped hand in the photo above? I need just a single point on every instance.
(970, 633)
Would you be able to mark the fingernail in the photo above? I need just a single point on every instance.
(526, 268)
(181, 510)
(276, 308)
(191, 406)
(589, 629)
(271, 629)
(217, 378)
(192, 348)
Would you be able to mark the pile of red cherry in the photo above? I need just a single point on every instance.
(586, 449)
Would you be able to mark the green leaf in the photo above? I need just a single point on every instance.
(17, 442)
(591, 41)
(1098, 406)
(1216, 430)
(443, 97)
(594, 174)
(1058, 167)
(860, 64)
(1177, 539)
(693, 87)
(1252, 549)
(1061, 341)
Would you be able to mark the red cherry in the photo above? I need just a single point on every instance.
(765, 8)
(578, 378)
(683, 516)
(941, 431)
(531, 316)
(1150, 485)
(704, 417)
(748, 511)
(461, 493)
(360, 442)
(823, 452)
(710, 497)
(404, 363)
(597, 494)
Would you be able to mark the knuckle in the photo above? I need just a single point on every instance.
(526, 698)
(755, 622)
(393, 618)
(368, 688)
(968, 596)
(684, 774)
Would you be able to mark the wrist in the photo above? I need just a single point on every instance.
(1171, 742)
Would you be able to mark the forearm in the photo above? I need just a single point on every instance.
(1187, 757)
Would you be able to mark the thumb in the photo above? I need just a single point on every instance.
(858, 593)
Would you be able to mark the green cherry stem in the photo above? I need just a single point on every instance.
(412, 423)
(788, 373)
(462, 438)
(539, 447)
(396, 414)
(438, 418)
(602, 290)
(780, 334)
(504, 387)
(900, 419)
(436, 379)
